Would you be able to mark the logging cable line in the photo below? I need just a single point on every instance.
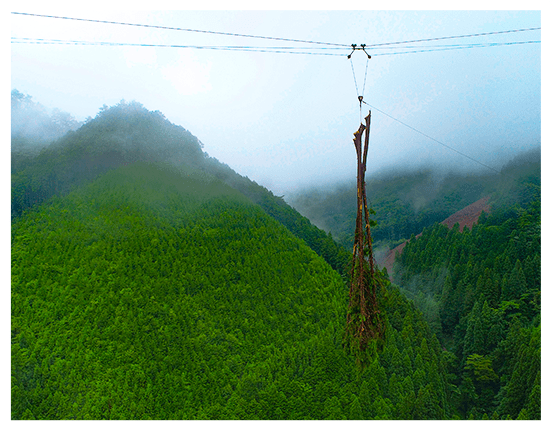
(446, 45)
(365, 75)
(360, 96)
(16, 39)
(181, 29)
(268, 49)
(277, 50)
(435, 140)
(388, 45)
(454, 37)
(354, 75)
(445, 48)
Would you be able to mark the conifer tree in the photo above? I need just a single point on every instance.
(356, 413)
(516, 283)
(533, 407)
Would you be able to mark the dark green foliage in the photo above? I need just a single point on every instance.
(149, 294)
(486, 285)
(523, 387)
(322, 243)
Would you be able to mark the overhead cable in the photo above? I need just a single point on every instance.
(387, 44)
(276, 50)
(446, 45)
(268, 49)
(444, 48)
(179, 29)
(454, 37)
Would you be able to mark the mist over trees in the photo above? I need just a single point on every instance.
(151, 281)
(32, 122)
(406, 201)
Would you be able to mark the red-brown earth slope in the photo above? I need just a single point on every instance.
(465, 217)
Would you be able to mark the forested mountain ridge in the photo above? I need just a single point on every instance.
(152, 294)
(480, 290)
(127, 133)
(406, 201)
(150, 281)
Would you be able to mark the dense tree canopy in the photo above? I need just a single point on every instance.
(481, 291)
(149, 295)
(151, 281)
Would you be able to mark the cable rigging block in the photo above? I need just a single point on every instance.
(361, 48)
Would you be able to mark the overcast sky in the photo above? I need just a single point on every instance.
(287, 120)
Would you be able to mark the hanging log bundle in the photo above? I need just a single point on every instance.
(363, 320)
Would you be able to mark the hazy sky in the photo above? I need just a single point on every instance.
(286, 120)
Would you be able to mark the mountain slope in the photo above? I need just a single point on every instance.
(150, 294)
(141, 276)
(127, 133)
(467, 216)
(405, 202)
(150, 281)
(480, 290)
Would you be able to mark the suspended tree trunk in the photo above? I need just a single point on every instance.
(363, 322)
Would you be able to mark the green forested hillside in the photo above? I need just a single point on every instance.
(147, 294)
(120, 135)
(127, 133)
(481, 291)
(150, 281)
(406, 201)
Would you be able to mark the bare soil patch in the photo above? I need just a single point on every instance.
(467, 216)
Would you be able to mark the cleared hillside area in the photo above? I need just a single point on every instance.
(464, 217)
